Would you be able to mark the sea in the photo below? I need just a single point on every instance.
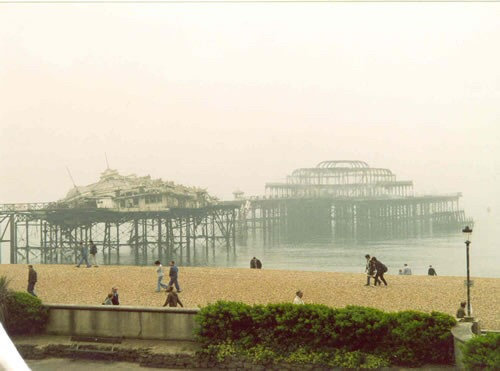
(445, 252)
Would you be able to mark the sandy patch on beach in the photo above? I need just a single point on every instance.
(66, 284)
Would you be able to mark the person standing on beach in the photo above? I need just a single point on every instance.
(381, 269)
(32, 278)
(159, 272)
(84, 254)
(93, 252)
(174, 274)
(431, 271)
(253, 263)
(172, 298)
(115, 300)
(370, 269)
(406, 270)
(298, 297)
(258, 264)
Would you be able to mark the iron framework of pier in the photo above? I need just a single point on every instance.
(339, 199)
(42, 233)
(350, 200)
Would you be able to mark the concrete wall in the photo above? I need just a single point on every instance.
(462, 333)
(122, 321)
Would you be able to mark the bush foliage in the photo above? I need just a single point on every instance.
(404, 338)
(482, 352)
(5, 293)
(25, 314)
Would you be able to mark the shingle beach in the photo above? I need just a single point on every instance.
(66, 284)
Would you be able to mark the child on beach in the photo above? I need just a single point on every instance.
(108, 300)
(298, 297)
(172, 298)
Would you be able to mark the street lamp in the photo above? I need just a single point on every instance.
(467, 231)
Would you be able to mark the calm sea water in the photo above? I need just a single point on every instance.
(446, 253)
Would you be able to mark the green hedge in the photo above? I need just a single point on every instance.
(25, 314)
(265, 356)
(406, 338)
(482, 352)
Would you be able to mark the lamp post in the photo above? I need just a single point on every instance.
(467, 231)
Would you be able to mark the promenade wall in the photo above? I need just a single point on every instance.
(122, 321)
(146, 323)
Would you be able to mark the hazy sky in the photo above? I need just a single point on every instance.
(227, 96)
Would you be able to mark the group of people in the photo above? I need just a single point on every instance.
(84, 254)
(255, 263)
(375, 269)
(406, 271)
(172, 299)
(112, 298)
(173, 274)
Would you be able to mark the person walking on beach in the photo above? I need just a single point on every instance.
(172, 298)
(32, 278)
(93, 252)
(370, 269)
(115, 300)
(298, 297)
(174, 275)
(84, 254)
(381, 269)
(431, 271)
(160, 273)
(258, 264)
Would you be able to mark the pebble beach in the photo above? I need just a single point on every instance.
(66, 284)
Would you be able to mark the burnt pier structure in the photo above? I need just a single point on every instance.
(137, 220)
(347, 200)
(44, 233)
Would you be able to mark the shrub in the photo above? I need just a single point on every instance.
(416, 338)
(25, 314)
(360, 328)
(262, 355)
(482, 352)
(407, 338)
(225, 321)
(5, 293)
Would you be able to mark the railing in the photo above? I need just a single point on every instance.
(27, 206)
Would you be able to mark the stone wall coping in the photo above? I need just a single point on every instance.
(463, 331)
(121, 308)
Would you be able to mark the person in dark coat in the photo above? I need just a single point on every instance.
(174, 275)
(431, 271)
(172, 298)
(253, 263)
(32, 278)
(381, 269)
(258, 264)
(93, 252)
(370, 269)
